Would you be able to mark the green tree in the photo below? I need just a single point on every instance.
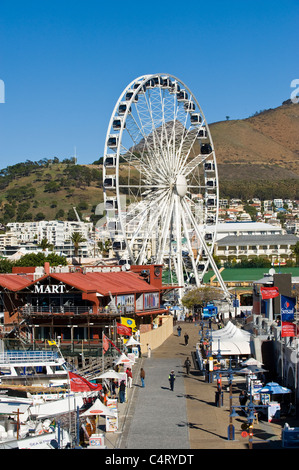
(199, 296)
(295, 251)
(59, 214)
(104, 247)
(44, 244)
(40, 216)
(76, 240)
(39, 259)
(5, 266)
(52, 187)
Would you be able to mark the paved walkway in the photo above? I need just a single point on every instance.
(187, 418)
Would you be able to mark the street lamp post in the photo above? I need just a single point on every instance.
(231, 428)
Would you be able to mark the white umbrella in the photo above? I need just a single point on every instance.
(123, 359)
(252, 362)
(109, 374)
(251, 370)
(98, 408)
(132, 342)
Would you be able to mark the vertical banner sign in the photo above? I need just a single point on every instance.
(287, 308)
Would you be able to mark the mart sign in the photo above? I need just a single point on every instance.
(53, 289)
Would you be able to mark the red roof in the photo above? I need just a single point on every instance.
(91, 282)
(15, 282)
(105, 283)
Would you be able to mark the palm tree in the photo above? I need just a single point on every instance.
(76, 239)
(104, 247)
(44, 244)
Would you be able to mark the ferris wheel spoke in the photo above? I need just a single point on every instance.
(186, 148)
(192, 164)
(154, 224)
(144, 207)
(140, 165)
(149, 224)
(206, 248)
(181, 148)
(165, 230)
(142, 145)
(159, 151)
(194, 263)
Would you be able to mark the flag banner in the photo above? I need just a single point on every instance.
(105, 343)
(269, 292)
(288, 329)
(52, 343)
(106, 340)
(129, 322)
(287, 308)
(123, 330)
(79, 384)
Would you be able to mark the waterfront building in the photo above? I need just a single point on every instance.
(276, 247)
(246, 228)
(276, 349)
(76, 305)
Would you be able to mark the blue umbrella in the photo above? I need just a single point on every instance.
(275, 389)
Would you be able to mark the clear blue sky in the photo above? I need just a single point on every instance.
(65, 63)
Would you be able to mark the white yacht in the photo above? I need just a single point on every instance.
(43, 368)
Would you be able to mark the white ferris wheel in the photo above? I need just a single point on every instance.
(160, 179)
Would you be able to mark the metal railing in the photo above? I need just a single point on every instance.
(52, 309)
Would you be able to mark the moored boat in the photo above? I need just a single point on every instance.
(43, 368)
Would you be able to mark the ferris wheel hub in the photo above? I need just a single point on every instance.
(181, 185)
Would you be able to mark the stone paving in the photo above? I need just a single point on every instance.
(155, 417)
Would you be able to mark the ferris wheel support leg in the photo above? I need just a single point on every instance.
(178, 220)
(211, 260)
(194, 264)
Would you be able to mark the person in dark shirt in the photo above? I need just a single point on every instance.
(171, 379)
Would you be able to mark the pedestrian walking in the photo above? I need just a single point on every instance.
(179, 330)
(171, 379)
(187, 365)
(122, 392)
(142, 376)
(149, 351)
(129, 376)
(186, 338)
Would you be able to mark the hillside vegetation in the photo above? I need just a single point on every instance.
(269, 139)
(49, 189)
(256, 157)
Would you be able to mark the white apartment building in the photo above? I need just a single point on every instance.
(268, 205)
(57, 233)
(278, 203)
